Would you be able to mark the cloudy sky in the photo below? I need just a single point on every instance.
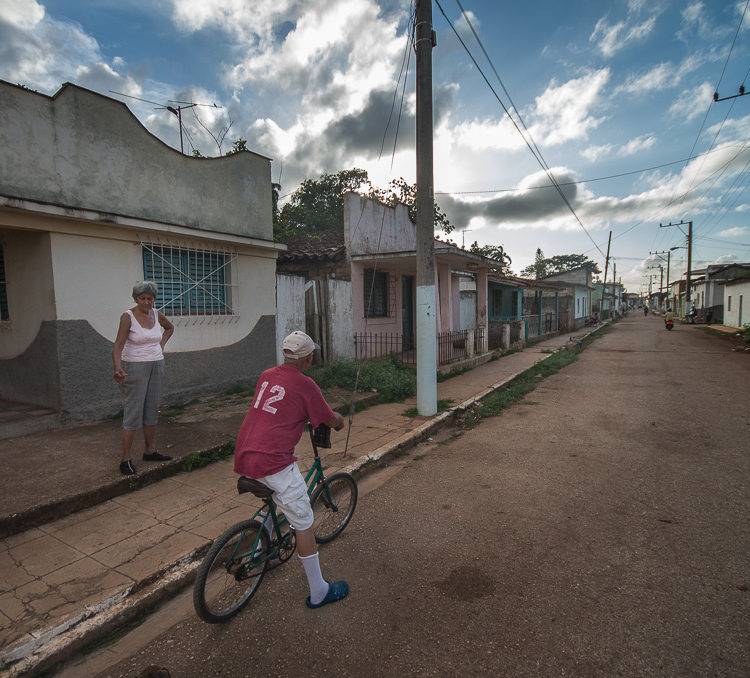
(615, 97)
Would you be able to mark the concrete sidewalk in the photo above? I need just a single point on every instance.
(67, 580)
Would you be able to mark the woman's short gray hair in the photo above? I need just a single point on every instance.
(145, 287)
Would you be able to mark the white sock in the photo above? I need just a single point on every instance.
(318, 585)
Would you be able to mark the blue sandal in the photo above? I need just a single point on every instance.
(336, 591)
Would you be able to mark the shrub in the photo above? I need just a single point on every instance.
(392, 380)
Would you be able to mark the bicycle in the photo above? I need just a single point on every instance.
(232, 570)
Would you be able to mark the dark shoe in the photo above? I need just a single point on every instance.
(126, 468)
(336, 591)
(156, 456)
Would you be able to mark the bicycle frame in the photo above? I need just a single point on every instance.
(313, 477)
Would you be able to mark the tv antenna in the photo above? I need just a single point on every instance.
(175, 110)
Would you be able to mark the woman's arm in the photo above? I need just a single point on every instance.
(168, 329)
(122, 336)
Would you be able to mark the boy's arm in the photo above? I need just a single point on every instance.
(336, 421)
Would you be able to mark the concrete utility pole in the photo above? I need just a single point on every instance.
(426, 304)
(689, 224)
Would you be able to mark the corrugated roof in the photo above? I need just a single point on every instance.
(319, 246)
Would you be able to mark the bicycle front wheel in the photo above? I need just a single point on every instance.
(231, 572)
(333, 502)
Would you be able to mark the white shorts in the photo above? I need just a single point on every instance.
(290, 495)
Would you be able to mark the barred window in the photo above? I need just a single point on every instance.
(376, 294)
(191, 282)
(4, 313)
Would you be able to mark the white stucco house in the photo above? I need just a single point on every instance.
(579, 281)
(737, 302)
(91, 203)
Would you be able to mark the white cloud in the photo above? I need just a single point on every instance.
(634, 146)
(736, 232)
(24, 14)
(593, 153)
(564, 112)
(662, 76)
(725, 259)
(692, 103)
(611, 38)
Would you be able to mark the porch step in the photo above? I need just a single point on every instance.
(20, 419)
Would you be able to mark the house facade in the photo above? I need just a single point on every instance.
(737, 302)
(91, 203)
(579, 281)
(360, 296)
(707, 288)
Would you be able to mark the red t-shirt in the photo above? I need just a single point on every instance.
(285, 399)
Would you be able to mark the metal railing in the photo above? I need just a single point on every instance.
(539, 325)
(451, 346)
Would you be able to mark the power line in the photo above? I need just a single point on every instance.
(573, 183)
(537, 156)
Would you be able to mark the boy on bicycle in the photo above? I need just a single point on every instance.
(285, 400)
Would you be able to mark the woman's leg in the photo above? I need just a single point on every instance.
(127, 443)
(149, 437)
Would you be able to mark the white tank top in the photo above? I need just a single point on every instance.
(142, 345)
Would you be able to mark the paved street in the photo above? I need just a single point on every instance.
(598, 528)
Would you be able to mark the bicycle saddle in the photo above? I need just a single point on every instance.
(245, 484)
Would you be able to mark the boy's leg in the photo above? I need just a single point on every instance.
(307, 551)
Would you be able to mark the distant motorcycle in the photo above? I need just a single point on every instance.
(669, 324)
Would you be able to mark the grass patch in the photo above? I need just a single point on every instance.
(235, 390)
(198, 460)
(442, 406)
(444, 376)
(179, 408)
(522, 385)
(388, 376)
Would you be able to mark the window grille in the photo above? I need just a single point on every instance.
(4, 313)
(376, 294)
(191, 282)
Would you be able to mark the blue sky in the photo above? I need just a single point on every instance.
(599, 88)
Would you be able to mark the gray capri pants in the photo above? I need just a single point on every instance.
(141, 392)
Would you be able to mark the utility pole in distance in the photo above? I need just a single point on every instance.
(424, 41)
(604, 284)
(689, 224)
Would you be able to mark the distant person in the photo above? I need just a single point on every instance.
(709, 315)
(645, 311)
(138, 360)
(692, 314)
(669, 315)
(285, 400)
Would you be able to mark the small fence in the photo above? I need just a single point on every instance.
(451, 346)
(539, 325)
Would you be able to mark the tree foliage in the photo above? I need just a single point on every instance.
(542, 267)
(318, 204)
(496, 252)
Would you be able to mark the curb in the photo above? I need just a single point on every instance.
(56, 644)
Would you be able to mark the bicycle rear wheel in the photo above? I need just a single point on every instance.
(333, 502)
(231, 573)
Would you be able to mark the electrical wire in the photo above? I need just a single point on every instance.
(537, 156)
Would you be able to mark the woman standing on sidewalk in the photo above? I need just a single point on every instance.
(138, 361)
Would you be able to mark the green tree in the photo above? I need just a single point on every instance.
(318, 204)
(558, 264)
(496, 252)
(401, 191)
(238, 145)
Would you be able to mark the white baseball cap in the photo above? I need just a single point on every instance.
(298, 345)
